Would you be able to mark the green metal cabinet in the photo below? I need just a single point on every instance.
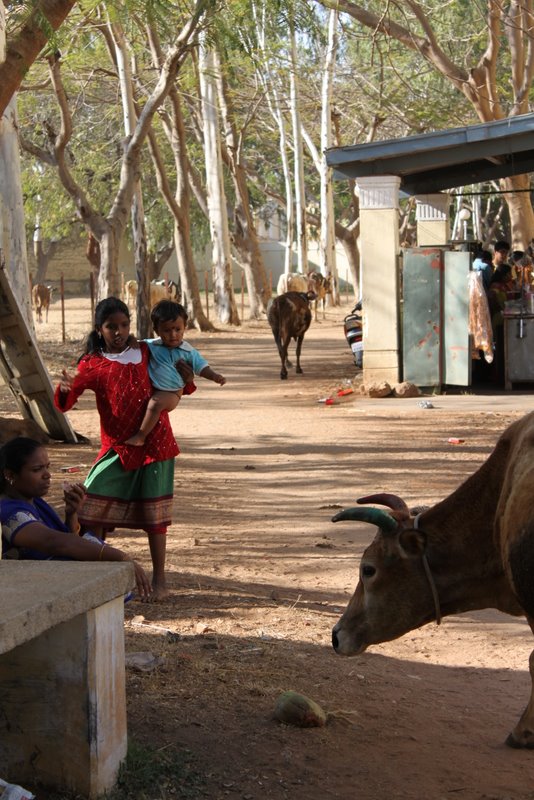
(435, 319)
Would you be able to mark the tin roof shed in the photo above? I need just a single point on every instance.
(431, 162)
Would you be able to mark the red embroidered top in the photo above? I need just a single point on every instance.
(122, 393)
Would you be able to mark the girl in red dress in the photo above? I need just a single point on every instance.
(127, 486)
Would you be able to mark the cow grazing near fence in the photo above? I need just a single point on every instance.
(289, 316)
(158, 291)
(473, 550)
(41, 296)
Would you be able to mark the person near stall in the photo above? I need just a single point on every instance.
(502, 288)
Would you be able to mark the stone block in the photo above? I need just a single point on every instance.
(62, 680)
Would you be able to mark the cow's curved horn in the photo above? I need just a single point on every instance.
(384, 499)
(376, 516)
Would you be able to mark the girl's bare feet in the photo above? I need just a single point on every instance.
(159, 593)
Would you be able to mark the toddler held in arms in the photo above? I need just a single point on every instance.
(169, 320)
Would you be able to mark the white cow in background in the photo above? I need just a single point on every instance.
(158, 291)
(292, 282)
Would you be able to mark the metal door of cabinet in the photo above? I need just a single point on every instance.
(421, 323)
(456, 348)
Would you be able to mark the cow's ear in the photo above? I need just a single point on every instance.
(412, 542)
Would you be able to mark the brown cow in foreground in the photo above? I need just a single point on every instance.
(289, 316)
(473, 550)
(41, 296)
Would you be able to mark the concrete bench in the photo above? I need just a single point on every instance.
(62, 680)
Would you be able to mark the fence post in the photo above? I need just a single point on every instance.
(242, 295)
(206, 286)
(122, 286)
(62, 295)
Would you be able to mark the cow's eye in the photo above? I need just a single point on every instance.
(368, 571)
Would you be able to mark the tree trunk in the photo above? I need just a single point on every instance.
(179, 202)
(42, 257)
(92, 254)
(246, 241)
(220, 239)
(12, 227)
(327, 239)
(108, 277)
(349, 240)
(268, 80)
(245, 238)
(156, 261)
(521, 212)
(144, 327)
(298, 166)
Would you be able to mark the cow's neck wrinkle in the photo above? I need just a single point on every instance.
(462, 551)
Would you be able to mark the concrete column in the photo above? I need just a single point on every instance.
(379, 243)
(432, 216)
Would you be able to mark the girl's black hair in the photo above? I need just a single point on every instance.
(14, 455)
(167, 311)
(103, 310)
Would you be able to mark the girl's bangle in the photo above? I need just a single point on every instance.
(101, 551)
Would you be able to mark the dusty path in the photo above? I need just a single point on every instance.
(259, 575)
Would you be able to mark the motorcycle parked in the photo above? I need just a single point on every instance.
(353, 328)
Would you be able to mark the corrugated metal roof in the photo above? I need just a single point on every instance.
(431, 162)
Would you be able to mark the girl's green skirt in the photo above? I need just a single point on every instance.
(139, 498)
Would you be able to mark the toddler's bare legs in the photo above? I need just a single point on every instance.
(160, 401)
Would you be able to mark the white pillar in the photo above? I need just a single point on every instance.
(379, 243)
(432, 216)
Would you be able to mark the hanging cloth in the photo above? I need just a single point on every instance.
(479, 318)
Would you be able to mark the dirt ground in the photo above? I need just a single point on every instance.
(259, 575)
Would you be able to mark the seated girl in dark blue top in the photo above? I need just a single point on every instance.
(31, 529)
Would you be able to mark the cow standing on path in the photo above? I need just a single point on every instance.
(41, 296)
(473, 550)
(289, 316)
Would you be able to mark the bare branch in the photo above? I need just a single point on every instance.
(81, 201)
